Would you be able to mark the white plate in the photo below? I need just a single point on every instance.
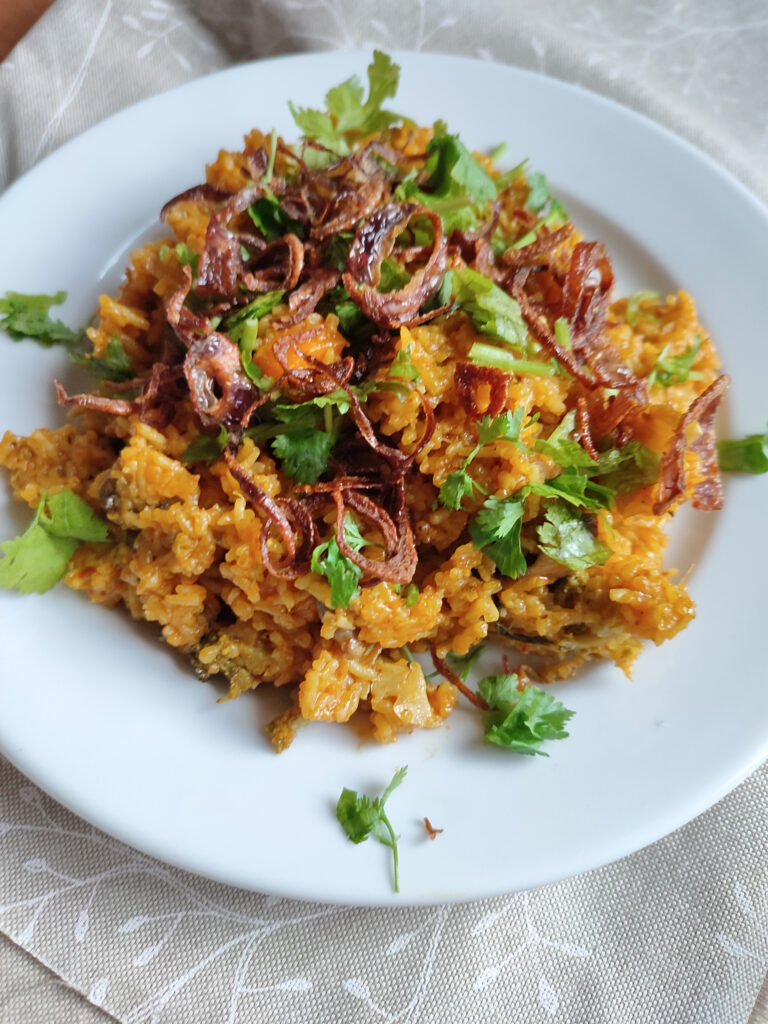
(97, 712)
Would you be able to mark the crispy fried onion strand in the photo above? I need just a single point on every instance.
(221, 393)
(401, 557)
(221, 263)
(447, 672)
(287, 515)
(155, 404)
(470, 377)
(708, 492)
(373, 243)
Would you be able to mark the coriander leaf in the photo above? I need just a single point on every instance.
(360, 817)
(454, 166)
(348, 117)
(457, 486)
(492, 311)
(504, 427)
(342, 574)
(383, 79)
(627, 469)
(520, 720)
(316, 125)
(206, 448)
(541, 200)
(113, 365)
(575, 487)
(356, 815)
(272, 220)
(495, 530)
(566, 537)
(633, 304)
(65, 515)
(669, 370)
(304, 454)
(35, 561)
(538, 196)
(745, 455)
(27, 316)
(403, 366)
(561, 448)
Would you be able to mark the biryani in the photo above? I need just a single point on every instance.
(371, 403)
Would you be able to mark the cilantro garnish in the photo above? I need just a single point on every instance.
(495, 531)
(342, 574)
(272, 220)
(304, 453)
(35, 561)
(493, 312)
(360, 817)
(520, 720)
(744, 455)
(206, 448)
(243, 328)
(541, 200)
(633, 304)
(402, 366)
(452, 166)
(566, 537)
(459, 484)
(27, 316)
(669, 370)
(349, 118)
(113, 365)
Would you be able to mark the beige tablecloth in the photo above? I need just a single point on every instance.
(677, 933)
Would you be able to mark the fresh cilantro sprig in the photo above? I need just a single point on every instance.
(304, 453)
(521, 720)
(493, 312)
(566, 537)
(541, 200)
(669, 370)
(456, 186)
(28, 316)
(114, 365)
(744, 455)
(271, 219)
(361, 817)
(348, 117)
(459, 484)
(35, 561)
(206, 448)
(496, 531)
(342, 573)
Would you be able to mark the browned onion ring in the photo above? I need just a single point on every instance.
(374, 241)
(707, 494)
